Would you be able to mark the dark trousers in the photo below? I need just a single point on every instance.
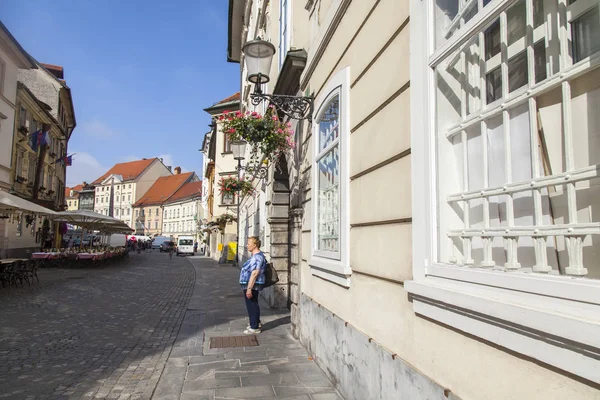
(253, 308)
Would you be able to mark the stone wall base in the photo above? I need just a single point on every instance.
(360, 369)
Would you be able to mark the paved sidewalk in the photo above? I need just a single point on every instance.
(279, 368)
(101, 332)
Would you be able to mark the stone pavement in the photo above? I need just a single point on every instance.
(99, 332)
(279, 368)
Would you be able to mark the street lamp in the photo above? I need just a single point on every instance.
(258, 55)
(238, 148)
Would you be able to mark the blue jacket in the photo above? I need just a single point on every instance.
(256, 262)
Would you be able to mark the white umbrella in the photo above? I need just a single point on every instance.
(9, 202)
(92, 220)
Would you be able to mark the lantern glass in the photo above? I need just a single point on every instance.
(238, 148)
(258, 55)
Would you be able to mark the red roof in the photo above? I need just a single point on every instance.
(55, 70)
(128, 170)
(190, 189)
(233, 97)
(75, 189)
(163, 189)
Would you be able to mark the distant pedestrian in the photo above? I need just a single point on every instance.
(252, 279)
(195, 247)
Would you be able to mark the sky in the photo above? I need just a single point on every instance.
(140, 72)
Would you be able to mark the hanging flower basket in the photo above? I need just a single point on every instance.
(267, 133)
(223, 219)
(233, 184)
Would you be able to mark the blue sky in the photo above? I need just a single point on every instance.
(141, 73)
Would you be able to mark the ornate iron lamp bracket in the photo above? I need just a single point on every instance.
(259, 172)
(295, 107)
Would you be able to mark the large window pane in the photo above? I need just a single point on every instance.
(328, 212)
(492, 40)
(329, 128)
(516, 22)
(586, 34)
(517, 72)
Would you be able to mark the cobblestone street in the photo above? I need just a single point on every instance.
(103, 332)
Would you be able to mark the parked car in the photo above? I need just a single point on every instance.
(165, 246)
(158, 241)
(185, 245)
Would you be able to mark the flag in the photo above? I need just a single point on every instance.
(33, 139)
(42, 138)
(69, 161)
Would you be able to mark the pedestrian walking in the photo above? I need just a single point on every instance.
(252, 280)
(195, 247)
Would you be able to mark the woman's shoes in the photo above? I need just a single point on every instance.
(251, 331)
(259, 326)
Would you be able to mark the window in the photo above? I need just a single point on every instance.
(128, 211)
(330, 224)
(165, 216)
(504, 196)
(117, 212)
(137, 213)
(23, 117)
(123, 198)
(31, 171)
(20, 160)
(227, 198)
(130, 186)
(128, 197)
(156, 212)
(226, 142)
(285, 11)
(49, 180)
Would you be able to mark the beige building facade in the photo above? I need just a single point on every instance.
(12, 58)
(394, 288)
(224, 166)
(124, 184)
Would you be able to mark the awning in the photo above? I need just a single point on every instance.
(92, 221)
(11, 203)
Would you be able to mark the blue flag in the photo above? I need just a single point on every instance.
(33, 140)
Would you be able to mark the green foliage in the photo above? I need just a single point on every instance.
(269, 135)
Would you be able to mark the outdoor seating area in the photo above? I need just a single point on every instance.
(78, 257)
(18, 271)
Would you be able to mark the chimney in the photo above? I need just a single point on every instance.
(177, 170)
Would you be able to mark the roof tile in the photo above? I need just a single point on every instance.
(163, 189)
(233, 97)
(129, 170)
(190, 189)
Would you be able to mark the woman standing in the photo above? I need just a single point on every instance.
(252, 279)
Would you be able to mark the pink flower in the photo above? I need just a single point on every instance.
(231, 130)
(274, 118)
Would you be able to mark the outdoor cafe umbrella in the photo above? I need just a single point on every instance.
(12, 203)
(92, 221)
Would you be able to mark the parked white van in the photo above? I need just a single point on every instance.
(117, 240)
(185, 245)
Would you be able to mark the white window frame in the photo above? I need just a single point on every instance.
(553, 319)
(285, 39)
(333, 267)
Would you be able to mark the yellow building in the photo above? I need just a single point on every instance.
(38, 170)
(72, 197)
